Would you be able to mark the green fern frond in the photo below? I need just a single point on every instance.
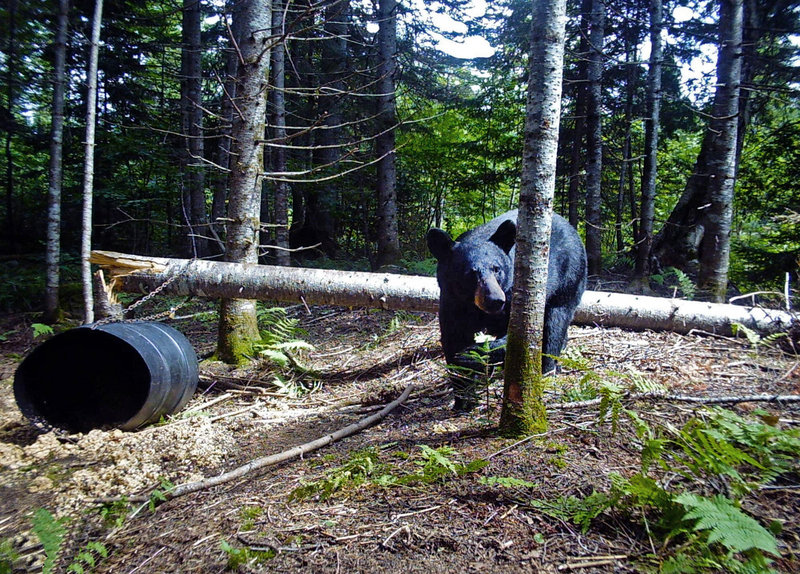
(641, 384)
(438, 457)
(726, 524)
(275, 356)
(752, 337)
(610, 402)
(50, 532)
(506, 482)
(580, 511)
(294, 346)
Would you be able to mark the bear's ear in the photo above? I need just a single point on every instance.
(505, 236)
(440, 243)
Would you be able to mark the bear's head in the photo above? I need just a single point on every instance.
(475, 270)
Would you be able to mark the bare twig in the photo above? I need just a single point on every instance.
(762, 398)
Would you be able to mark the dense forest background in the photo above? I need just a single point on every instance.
(373, 133)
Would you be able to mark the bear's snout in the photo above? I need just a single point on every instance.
(489, 296)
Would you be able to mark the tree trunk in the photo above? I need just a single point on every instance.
(625, 167)
(388, 239)
(53, 252)
(238, 328)
(523, 408)
(11, 80)
(194, 201)
(644, 241)
(279, 141)
(215, 279)
(223, 152)
(715, 246)
(88, 165)
(321, 198)
(677, 243)
(594, 139)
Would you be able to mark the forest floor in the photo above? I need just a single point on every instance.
(399, 496)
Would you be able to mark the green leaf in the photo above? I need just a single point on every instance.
(40, 329)
(727, 524)
(51, 534)
(506, 482)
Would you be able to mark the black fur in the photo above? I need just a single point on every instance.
(475, 274)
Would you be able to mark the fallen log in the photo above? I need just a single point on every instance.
(215, 279)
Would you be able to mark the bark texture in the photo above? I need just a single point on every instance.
(140, 274)
(388, 238)
(53, 252)
(238, 328)
(715, 245)
(652, 128)
(88, 165)
(594, 139)
(194, 201)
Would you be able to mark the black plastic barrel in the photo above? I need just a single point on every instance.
(121, 375)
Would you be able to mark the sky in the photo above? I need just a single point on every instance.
(701, 69)
(468, 47)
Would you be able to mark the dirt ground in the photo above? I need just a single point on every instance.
(361, 360)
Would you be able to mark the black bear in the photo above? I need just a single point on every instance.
(475, 274)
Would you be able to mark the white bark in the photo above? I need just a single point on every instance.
(88, 165)
(135, 273)
(523, 408)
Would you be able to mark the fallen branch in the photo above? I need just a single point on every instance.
(265, 461)
(137, 274)
(655, 395)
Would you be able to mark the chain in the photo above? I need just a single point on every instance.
(168, 313)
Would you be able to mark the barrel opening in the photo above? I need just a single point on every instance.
(83, 379)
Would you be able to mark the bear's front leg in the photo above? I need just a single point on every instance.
(472, 368)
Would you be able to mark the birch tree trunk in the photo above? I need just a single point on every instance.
(644, 240)
(53, 251)
(88, 165)
(194, 201)
(523, 408)
(594, 139)
(715, 246)
(388, 239)
(218, 279)
(238, 327)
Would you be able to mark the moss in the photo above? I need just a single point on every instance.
(238, 331)
(524, 411)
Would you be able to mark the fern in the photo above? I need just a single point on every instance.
(580, 511)
(754, 338)
(365, 467)
(611, 402)
(40, 329)
(684, 282)
(506, 482)
(50, 532)
(726, 524)
(744, 450)
(438, 458)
